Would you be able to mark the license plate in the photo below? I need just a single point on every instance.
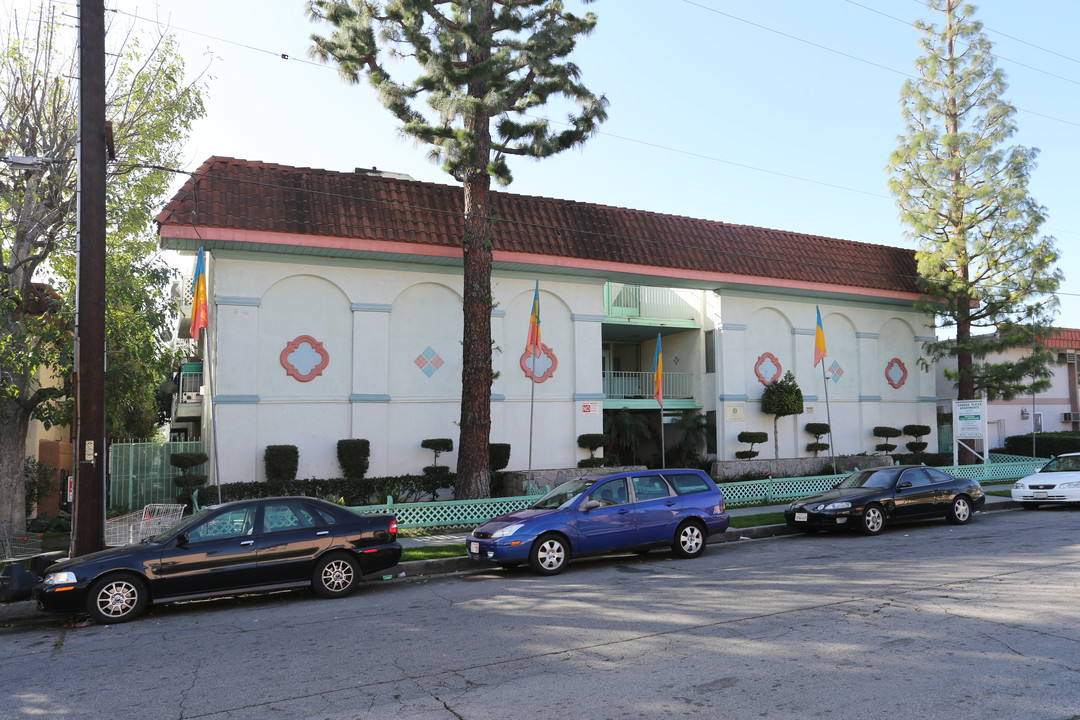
(800, 517)
(474, 547)
(1040, 496)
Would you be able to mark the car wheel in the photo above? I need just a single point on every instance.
(960, 510)
(549, 554)
(1029, 505)
(873, 520)
(335, 576)
(116, 599)
(689, 540)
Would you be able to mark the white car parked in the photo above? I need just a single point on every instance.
(1057, 482)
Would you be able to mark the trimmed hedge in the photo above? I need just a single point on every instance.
(281, 462)
(352, 455)
(354, 491)
(1046, 444)
(498, 456)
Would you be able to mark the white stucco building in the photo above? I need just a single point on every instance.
(1056, 409)
(335, 312)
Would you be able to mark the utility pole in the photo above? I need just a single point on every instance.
(88, 531)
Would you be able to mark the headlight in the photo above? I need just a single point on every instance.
(838, 506)
(1069, 485)
(60, 578)
(1019, 486)
(508, 530)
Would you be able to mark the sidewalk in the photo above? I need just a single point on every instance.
(26, 612)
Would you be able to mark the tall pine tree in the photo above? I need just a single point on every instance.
(481, 66)
(963, 192)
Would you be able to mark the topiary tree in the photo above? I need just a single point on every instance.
(818, 430)
(592, 442)
(752, 437)
(781, 398)
(281, 462)
(437, 476)
(917, 432)
(886, 433)
(352, 455)
(498, 456)
(186, 481)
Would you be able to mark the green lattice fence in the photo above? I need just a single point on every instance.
(449, 514)
(1001, 468)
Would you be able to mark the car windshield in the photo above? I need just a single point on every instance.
(1066, 463)
(163, 536)
(563, 495)
(869, 479)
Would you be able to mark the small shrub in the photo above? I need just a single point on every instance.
(281, 462)
(592, 462)
(592, 442)
(352, 455)
(753, 438)
(818, 430)
(918, 432)
(885, 433)
(498, 456)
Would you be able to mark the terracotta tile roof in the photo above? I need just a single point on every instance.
(255, 196)
(1064, 338)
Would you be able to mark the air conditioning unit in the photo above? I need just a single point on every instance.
(1070, 417)
(190, 397)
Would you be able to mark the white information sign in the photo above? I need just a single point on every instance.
(969, 423)
(969, 419)
(592, 409)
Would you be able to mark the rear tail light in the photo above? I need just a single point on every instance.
(393, 526)
(722, 506)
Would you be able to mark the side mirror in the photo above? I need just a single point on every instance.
(904, 485)
(590, 505)
(182, 540)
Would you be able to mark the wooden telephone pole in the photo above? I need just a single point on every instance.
(88, 531)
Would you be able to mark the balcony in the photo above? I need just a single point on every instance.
(643, 305)
(640, 386)
(187, 402)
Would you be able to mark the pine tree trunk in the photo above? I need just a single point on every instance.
(13, 430)
(473, 472)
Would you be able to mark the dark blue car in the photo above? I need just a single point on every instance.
(593, 515)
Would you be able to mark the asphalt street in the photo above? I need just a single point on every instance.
(927, 620)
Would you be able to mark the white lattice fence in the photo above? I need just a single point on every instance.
(444, 514)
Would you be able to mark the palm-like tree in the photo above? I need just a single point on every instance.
(626, 431)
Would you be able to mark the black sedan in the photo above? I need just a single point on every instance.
(870, 499)
(238, 547)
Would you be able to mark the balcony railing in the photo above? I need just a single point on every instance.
(640, 301)
(639, 385)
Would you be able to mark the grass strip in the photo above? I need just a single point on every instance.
(432, 552)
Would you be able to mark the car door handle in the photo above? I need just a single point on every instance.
(248, 542)
(323, 532)
(669, 503)
(623, 511)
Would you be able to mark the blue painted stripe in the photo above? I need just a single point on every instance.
(498, 397)
(371, 307)
(734, 398)
(369, 398)
(233, 300)
(869, 398)
(589, 396)
(236, 399)
(578, 317)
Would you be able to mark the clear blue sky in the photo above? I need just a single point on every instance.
(779, 114)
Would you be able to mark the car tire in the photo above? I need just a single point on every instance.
(549, 554)
(689, 540)
(117, 599)
(1029, 505)
(872, 521)
(960, 511)
(335, 575)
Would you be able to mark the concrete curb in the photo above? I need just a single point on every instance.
(26, 612)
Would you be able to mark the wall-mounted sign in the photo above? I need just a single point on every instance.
(590, 409)
(735, 412)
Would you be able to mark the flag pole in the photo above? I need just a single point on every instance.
(658, 394)
(534, 347)
(828, 418)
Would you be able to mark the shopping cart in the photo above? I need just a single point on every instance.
(17, 544)
(135, 526)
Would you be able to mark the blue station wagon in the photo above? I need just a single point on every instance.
(593, 515)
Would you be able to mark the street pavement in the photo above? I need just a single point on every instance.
(26, 612)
